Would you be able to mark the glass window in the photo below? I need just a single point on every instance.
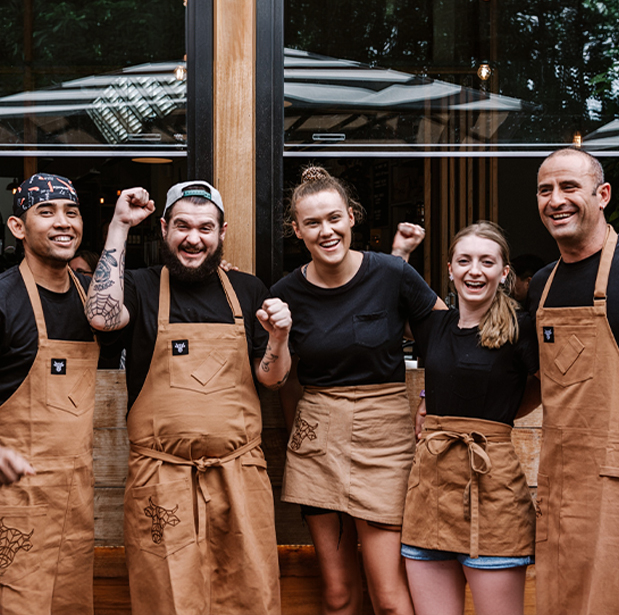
(92, 76)
(441, 76)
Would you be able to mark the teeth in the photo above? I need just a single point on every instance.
(475, 284)
(62, 238)
(560, 216)
(330, 244)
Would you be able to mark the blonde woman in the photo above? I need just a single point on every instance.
(469, 516)
(352, 441)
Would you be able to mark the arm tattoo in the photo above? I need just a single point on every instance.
(101, 278)
(279, 384)
(121, 272)
(267, 359)
(105, 306)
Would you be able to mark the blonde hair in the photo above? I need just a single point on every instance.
(499, 324)
(314, 180)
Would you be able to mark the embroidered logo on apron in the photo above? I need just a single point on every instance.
(549, 335)
(302, 430)
(161, 517)
(11, 541)
(180, 347)
(59, 367)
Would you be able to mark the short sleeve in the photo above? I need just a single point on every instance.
(419, 299)
(527, 348)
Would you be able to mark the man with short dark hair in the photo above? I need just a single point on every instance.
(199, 522)
(576, 305)
(48, 358)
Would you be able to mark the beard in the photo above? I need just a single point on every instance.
(191, 275)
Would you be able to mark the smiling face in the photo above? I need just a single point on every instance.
(324, 224)
(570, 202)
(51, 231)
(193, 234)
(477, 268)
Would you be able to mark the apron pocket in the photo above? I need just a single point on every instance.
(541, 508)
(162, 517)
(22, 541)
(311, 429)
(574, 361)
(370, 330)
(73, 390)
(203, 375)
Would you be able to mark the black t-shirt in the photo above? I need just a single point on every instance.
(352, 335)
(19, 338)
(190, 303)
(574, 286)
(465, 379)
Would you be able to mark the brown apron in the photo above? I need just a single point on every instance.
(467, 492)
(199, 520)
(47, 520)
(351, 450)
(577, 553)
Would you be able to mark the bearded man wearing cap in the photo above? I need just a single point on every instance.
(48, 358)
(199, 522)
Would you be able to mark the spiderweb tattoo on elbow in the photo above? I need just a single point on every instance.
(105, 306)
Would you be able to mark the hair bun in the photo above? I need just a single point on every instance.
(313, 174)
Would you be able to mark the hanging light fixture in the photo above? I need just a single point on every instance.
(484, 72)
(577, 140)
(13, 186)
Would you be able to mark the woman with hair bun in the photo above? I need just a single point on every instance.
(469, 515)
(352, 441)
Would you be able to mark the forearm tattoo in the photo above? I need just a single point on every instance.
(107, 307)
(103, 272)
(267, 359)
(121, 267)
(279, 384)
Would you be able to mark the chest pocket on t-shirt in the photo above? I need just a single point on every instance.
(370, 330)
(470, 380)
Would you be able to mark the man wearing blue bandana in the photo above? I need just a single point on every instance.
(48, 358)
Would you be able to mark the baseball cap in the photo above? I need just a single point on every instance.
(196, 187)
(42, 187)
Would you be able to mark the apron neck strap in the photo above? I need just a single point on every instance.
(233, 301)
(35, 298)
(164, 297)
(542, 300)
(606, 260)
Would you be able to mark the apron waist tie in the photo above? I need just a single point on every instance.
(202, 464)
(479, 463)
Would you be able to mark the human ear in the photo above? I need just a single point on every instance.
(16, 226)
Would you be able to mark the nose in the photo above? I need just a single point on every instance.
(61, 220)
(192, 237)
(556, 197)
(475, 268)
(325, 228)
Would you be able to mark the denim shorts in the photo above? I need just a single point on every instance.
(484, 562)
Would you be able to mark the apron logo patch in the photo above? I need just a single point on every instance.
(11, 541)
(180, 347)
(549, 335)
(161, 517)
(302, 431)
(59, 367)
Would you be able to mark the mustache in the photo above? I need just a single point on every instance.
(191, 275)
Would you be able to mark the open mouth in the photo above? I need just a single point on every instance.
(62, 240)
(562, 216)
(329, 244)
(474, 285)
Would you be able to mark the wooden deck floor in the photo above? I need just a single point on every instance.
(300, 583)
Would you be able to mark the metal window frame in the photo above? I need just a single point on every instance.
(269, 139)
(199, 43)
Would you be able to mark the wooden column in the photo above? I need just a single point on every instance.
(234, 125)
